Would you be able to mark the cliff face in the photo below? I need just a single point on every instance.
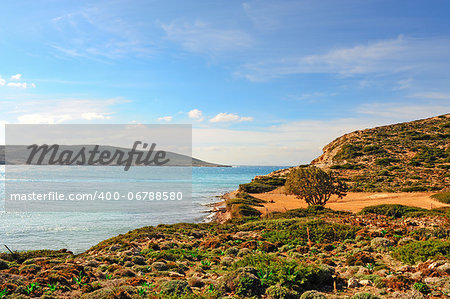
(411, 156)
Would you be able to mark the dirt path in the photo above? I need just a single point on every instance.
(353, 202)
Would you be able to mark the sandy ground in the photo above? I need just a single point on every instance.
(353, 202)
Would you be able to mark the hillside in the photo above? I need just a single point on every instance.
(410, 156)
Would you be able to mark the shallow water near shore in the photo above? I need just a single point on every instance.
(79, 231)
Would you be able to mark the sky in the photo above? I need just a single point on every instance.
(261, 82)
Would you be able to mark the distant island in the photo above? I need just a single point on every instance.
(18, 154)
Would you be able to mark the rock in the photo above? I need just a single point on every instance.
(138, 260)
(243, 252)
(363, 271)
(196, 281)
(159, 266)
(380, 244)
(406, 268)
(417, 275)
(175, 287)
(444, 268)
(175, 274)
(431, 280)
(126, 273)
(226, 261)
(436, 264)
(232, 251)
(353, 283)
(92, 263)
(365, 282)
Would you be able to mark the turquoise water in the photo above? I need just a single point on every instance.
(79, 231)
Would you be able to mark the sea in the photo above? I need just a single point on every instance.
(79, 231)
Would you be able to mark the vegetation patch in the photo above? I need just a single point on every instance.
(263, 184)
(391, 210)
(443, 197)
(420, 251)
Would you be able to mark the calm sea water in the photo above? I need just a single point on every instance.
(79, 231)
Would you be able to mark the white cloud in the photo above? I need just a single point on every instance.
(2, 82)
(165, 118)
(21, 85)
(95, 115)
(433, 95)
(404, 111)
(403, 84)
(37, 109)
(246, 118)
(196, 114)
(229, 117)
(16, 77)
(203, 38)
(387, 56)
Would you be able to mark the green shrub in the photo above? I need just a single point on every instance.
(279, 292)
(242, 210)
(420, 251)
(415, 189)
(392, 210)
(262, 184)
(274, 270)
(244, 198)
(373, 150)
(442, 197)
(385, 161)
(348, 151)
(364, 296)
(296, 233)
(421, 287)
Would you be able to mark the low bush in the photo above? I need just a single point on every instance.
(273, 270)
(242, 210)
(392, 210)
(319, 231)
(244, 198)
(309, 211)
(22, 256)
(442, 197)
(420, 251)
(263, 184)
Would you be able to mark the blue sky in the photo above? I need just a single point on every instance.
(262, 82)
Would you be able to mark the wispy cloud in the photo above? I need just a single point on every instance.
(94, 32)
(404, 111)
(196, 115)
(229, 117)
(165, 118)
(16, 77)
(432, 95)
(202, 37)
(34, 111)
(21, 85)
(16, 84)
(386, 56)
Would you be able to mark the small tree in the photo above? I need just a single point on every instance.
(314, 185)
